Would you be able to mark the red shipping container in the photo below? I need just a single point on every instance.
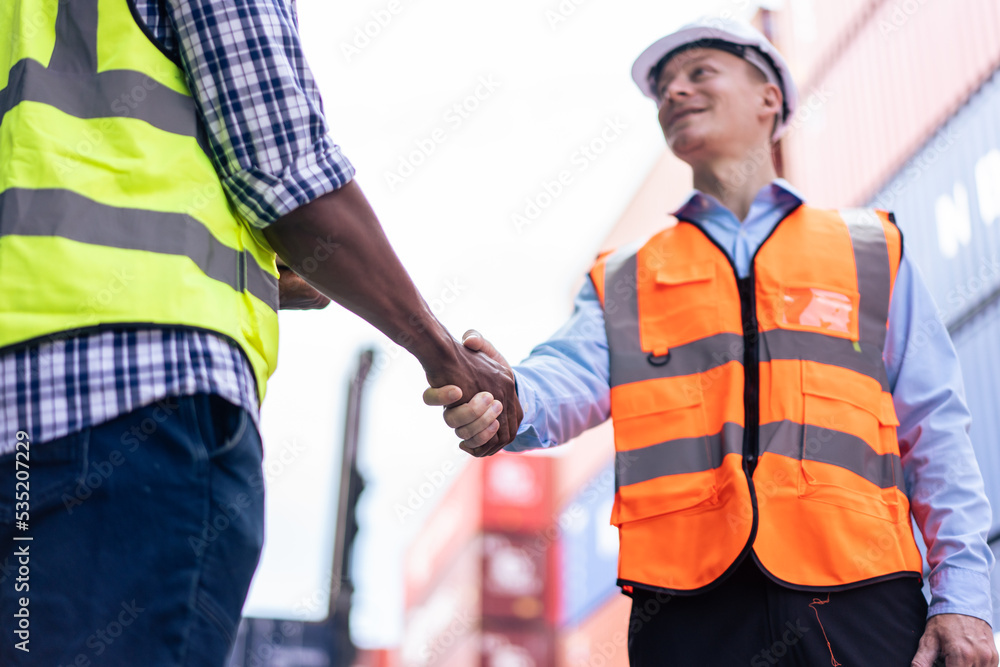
(450, 614)
(454, 523)
(515, 577)
(517, 492)
(379, 657)
(517, 649)
(467, 654)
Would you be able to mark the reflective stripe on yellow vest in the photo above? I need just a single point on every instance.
(754, 415)
(111, 213)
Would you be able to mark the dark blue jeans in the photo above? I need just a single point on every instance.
(145, 532)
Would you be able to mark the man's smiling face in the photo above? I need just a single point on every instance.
(712, 102)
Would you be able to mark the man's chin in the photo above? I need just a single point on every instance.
(685, 145)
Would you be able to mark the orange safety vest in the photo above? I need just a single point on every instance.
(754, 415)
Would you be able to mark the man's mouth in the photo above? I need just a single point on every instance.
(683, 113)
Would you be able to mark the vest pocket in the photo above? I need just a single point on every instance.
(682, 306)
(810, 308)
(848, 455)
(664, 461)
(687, 492)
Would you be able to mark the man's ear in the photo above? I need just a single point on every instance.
(771, 104)
(771, 99)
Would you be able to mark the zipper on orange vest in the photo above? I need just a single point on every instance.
(751, 395)
(751, 372)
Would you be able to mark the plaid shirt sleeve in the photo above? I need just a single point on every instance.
(260, 104)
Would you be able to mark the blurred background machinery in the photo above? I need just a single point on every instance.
(266, 642)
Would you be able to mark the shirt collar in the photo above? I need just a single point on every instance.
(698, 202)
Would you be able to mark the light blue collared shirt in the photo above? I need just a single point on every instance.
(564, 389)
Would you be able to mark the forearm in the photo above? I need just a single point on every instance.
(948, 501)
(564, 385)
(943, 480)
(949, 504)
(337, 245)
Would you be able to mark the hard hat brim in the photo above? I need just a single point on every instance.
(690, 37)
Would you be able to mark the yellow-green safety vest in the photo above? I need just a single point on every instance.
(111, 212)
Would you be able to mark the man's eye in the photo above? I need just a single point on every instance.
(697, 72)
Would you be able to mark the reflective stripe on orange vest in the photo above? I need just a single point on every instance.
(756, 413)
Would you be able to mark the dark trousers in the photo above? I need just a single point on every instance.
(145, 532)
(750, 620)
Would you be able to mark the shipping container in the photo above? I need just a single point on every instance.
(488, 608)
(450, 614)
(377, 657)
(517, 492)
(452, 525)
(812, 33)
(487, 555)
(514, 648)
(905, 70)
(501, 647)
(467, 654)
(516, 577)
(507, 492)
(589, 553)
(600, 640)
(579, 460)
(947, 203)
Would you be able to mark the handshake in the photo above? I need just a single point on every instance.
(488, 421)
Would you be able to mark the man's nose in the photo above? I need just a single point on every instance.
(676, 91)
(679, 88)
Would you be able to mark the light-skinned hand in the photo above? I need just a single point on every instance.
(478, 422)
(959, 640)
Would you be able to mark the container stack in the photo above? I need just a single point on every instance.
(480, 578)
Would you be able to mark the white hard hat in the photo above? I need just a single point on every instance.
(728, 35)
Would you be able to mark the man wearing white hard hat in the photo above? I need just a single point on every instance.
(776, 418)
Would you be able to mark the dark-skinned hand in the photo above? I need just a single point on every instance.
(482, 423)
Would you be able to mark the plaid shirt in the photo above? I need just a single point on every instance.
(268, 140)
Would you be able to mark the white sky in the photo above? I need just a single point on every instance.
(559, 76)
